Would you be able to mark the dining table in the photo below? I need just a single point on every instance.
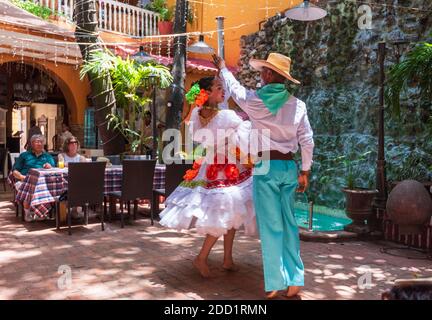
(42, 187)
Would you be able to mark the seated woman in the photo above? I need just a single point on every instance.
(70, 151)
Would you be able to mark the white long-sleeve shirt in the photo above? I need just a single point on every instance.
(289, 127)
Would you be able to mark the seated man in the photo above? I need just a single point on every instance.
(35, 158)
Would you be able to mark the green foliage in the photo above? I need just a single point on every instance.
(354, 164)
(34, 8)
(160, 6)
(132, 89)
(414, 71)
(167, 13)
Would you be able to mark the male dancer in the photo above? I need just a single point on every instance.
(273, 107)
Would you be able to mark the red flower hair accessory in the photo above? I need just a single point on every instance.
(202, 98)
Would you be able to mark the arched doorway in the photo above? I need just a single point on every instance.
(30, 93)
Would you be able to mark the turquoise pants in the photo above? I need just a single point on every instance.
(273, 194)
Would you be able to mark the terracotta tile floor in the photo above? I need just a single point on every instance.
(149, 262)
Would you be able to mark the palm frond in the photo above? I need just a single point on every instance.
(416, 69)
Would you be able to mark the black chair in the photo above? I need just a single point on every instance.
(3, 172)
(173, 177)
(85, 187)
(135, 157)
(137, 183)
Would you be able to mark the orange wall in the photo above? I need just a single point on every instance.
(242, 17)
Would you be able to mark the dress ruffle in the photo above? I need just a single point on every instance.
(211, 211)
(214, 211)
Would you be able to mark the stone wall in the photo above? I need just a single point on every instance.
(337, 63)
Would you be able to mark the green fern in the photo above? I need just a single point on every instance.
(415, 70)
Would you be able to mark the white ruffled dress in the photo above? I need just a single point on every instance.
(214, 206)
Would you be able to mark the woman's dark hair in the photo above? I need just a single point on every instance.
(66, 143)
(206, 83)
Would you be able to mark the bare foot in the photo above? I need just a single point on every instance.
(272, 294)
(230, 267)
(292, 291)
(202, 267)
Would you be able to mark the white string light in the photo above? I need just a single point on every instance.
(81, 31)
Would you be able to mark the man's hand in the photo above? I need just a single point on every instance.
(303, 181)
(47, 166)
(218, 62)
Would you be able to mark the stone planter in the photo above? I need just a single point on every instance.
(359, 209)
(409, 205)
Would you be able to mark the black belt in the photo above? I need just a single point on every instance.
(277, 155)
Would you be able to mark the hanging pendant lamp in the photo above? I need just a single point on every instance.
(306, 12)
(201, 47)
(141, 56)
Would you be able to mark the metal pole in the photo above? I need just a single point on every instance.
(154, 117)
(310, 216)
(221, 41)
(380, 200)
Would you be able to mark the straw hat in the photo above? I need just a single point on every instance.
(277, 62)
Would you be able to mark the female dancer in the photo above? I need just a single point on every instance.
(215, 196)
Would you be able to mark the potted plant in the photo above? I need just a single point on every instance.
(132, 89)
(359, 200)
(166, 15)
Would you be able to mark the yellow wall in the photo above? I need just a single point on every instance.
(242, 17)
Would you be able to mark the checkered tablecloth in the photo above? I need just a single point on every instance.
(42, 187)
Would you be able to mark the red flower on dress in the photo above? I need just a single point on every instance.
(212, 172)
(190, 175)
(197, 163)
(202, 98)
(220, 165)
(232, 172)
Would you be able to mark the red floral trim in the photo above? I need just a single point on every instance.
(192, 173)
(227, 182)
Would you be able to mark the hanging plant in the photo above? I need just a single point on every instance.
(414, 71)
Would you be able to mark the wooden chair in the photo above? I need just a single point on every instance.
(85, 187)
(173, 177)
(137, 183)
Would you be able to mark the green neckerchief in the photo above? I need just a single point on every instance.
(274, 96)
